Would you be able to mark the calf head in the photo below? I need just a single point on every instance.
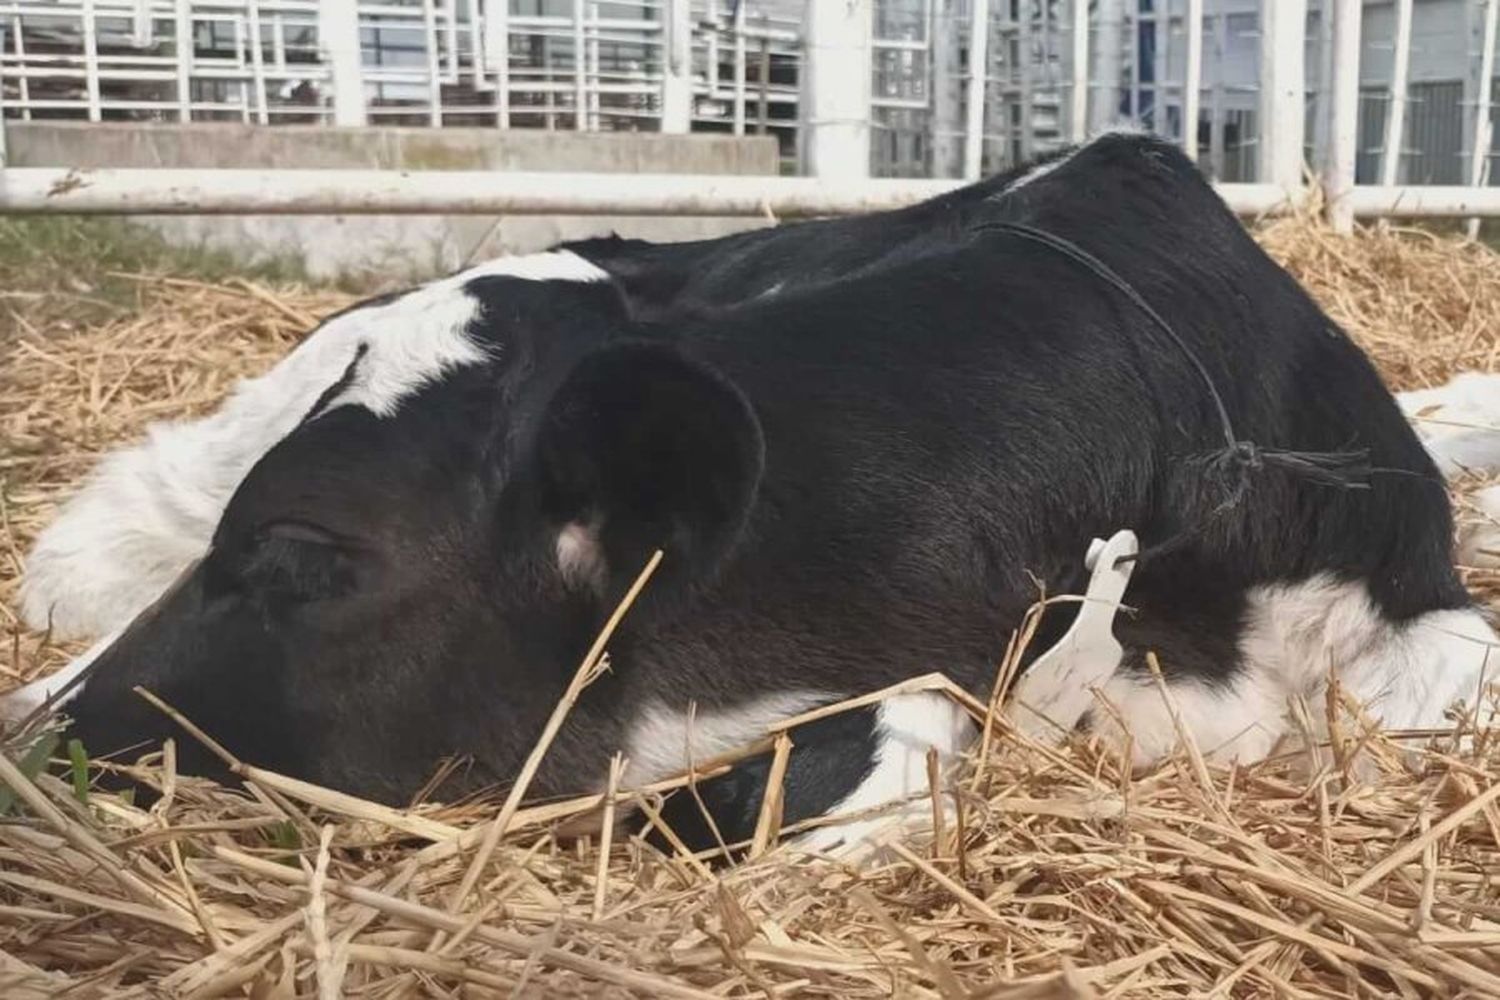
(384, 591)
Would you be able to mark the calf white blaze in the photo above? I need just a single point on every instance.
(147, 512)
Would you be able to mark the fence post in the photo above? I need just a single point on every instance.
(338, 27)
(142, 28)
(580, 70)
(1109, 65)
(836, 69)
(739, 68)
(1395, 118)
(1322, 104)
(1192, 79)
(1282, 94)
(89, 25)
(1343, 151)
(677, 69)
(185, 47)
(497, 55)
(1078, 112)
(257, 62)
(979, 65)
(1216, 109)
(2, 96)
(434, 67)
(1479, 155)
(947, 119)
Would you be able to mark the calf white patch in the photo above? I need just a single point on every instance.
(1459, 422)
(1043, 169)
(149, 510)
(1422, 669)
(664, 741)
(1238, 721)
(1039, 171)
(906, 727)
(1407, 675)
(1479, 531)
(579, 557)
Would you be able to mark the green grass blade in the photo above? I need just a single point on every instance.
(80, 764)
(31, 765)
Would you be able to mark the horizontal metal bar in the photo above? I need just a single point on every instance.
(109, 104)
(292, 192)
(60, 73)
(163, 11)
(389, 192)
(1434, 201)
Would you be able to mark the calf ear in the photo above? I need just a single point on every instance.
(642, 448)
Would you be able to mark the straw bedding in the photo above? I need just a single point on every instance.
(1358, 868)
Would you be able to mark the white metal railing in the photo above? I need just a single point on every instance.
(1288, 76)
(93, 59)
(578, 64)
(918, 88)
(391, 192)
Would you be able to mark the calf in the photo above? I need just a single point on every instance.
(399, 543)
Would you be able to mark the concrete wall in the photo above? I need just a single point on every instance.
(376, 249)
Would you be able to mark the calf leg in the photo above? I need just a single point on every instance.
(866, 765)
(895, 791)
(1407, 674)
(1242, 719)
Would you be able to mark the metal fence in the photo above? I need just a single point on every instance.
(606, 65)
(596, 65)
(1382, 97)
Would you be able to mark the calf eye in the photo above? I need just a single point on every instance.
(295, 561)
(294, 531)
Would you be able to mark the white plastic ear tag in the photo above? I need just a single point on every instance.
(1056, 689)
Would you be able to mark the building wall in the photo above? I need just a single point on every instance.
(1440, 42)
(1443, 70)
(394, 247)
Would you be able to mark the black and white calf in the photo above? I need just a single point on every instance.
(861, 445)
